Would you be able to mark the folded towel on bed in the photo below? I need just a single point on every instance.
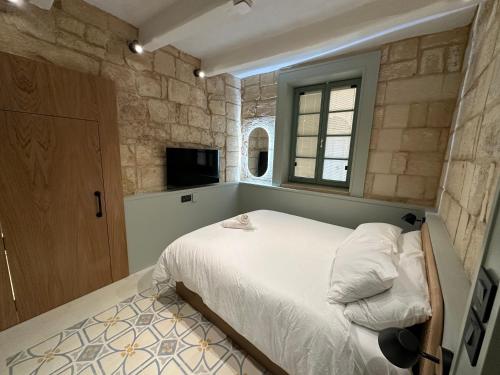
(238, 222)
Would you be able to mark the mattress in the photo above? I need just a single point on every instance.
(270, 285)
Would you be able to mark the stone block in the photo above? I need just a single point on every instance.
(398, 162)
(127, 155)
(198, 97)
(431, 189)
(220, 140)
(266, 108)
(418, 115)
(152, 179)
(488, 145)
(232, 127)
(420, 139)
(233, 111)
(410, 187)
(467, 183)
(164, 63)
(380, 162)
(148, 86)
(475, 250)
(451, 85)
(380, 96)
(455, 36)
(378, 117)
(198, 118)
(251, 93)
(85, 12)
(397, 70)
(466, 224)
(114, 52)
(216, 85)
(269, 92)
(466, 143)
(190, 59)
(178, 91)
(131, 108)
(150, 155)
(417, 89)
(129, 180)
(440, 114)
(207, 138)
(232, 174)
(232, 80)
(396, 116)
(374, 139)
(184, 72)
(232, 159)
(268, 78)
(217, 107)
(71, 41)
(432, 61)
(70, 24)
(218, 123)
(455, 178)
(250, 81)
(404, 50)
(424, 164)
(141, 63)
(454, 58)
(389, 139)
(248, 109)
(232, 144)
(233, 95)
(162, 111)
(186, 134)
(97, 36)
(384, 185)
(33, 22)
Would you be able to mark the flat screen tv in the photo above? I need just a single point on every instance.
(188, 167)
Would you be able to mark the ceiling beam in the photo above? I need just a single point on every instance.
(181, 19)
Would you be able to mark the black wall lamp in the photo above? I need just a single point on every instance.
(199, 73)
(135, 47)
(402, 348)
(412, 219)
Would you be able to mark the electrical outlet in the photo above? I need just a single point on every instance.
(186, 198)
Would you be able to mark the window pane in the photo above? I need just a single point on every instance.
(310, 102)
(342, 98)
(340, 123)
(337, 147)
(305, 168)
(306, 147)
(335, 170)
(308, 125)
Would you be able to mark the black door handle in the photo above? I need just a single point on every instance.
(99, 204)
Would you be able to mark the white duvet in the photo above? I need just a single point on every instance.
(270, 285)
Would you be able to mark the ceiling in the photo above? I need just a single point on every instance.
(278, 33)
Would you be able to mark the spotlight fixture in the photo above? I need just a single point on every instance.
(199, 73)
(412, 219)
(17, 2)
(135, 47)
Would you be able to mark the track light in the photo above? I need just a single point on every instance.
(135, 47)
(199, 73)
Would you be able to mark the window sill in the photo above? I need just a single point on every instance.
(316, 188)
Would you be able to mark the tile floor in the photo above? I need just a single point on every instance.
(121, 330)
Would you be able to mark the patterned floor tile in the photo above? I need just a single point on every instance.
(152, 333)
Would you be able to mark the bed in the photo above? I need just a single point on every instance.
(266, 288)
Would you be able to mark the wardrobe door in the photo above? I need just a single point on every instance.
(8, 313)
(52, 207)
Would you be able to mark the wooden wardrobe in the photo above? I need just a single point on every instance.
(61, 203)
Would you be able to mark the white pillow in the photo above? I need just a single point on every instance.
(365, 263)
(410, 243)
(405, 304)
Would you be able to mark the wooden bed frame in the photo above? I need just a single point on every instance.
(432, 329)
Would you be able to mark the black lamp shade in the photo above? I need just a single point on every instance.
(410, 218)
(399, 346)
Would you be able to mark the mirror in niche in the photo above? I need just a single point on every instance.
(258, 147)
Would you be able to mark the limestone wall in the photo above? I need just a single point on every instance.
(160, 102)
(473, 159)
(418, 87)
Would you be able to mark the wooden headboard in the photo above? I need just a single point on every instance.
(433, 328)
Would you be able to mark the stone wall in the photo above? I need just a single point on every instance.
(258, 109)
(160, 102)
(418, 87)
(473, 160)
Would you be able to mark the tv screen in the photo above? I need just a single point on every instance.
(187, 167)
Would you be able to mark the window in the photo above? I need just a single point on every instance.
(324, 121)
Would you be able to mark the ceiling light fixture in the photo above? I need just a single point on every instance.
(135, 47)
(199, 73)
(243, 6)
(17, 2)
